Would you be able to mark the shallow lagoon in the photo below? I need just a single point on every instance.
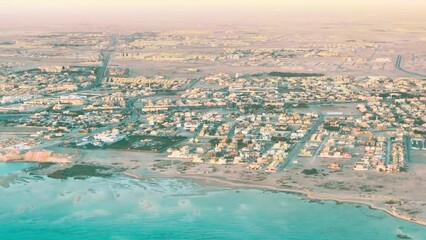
(13, 167)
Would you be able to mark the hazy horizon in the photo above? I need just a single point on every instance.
(84, 15)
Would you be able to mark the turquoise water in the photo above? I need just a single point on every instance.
(122, 208)
(13, 167)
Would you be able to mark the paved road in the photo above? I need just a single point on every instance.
(398, 66)
(232, 130)
(194, 81)
(102, 72)
(317, 152)
(298, 146)
(374, 53)
(388, 151)
(106, 57)
(407, 146)
(130, 106)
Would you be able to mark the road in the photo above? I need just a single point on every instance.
(106, 57)
(190, 85)
(398, 66)
(102, 72)
(130, 106)
(298, 146)
(232, 130)
(314, 157)
(407, 146)
(388, 150)
(374, 53)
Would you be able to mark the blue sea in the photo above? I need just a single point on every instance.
(123, 208)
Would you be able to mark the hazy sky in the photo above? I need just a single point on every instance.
(144, 12)
(193, 4)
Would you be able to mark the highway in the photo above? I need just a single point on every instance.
(398, 66)
(102, 72)
(106, 57)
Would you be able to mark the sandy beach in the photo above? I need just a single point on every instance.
(310, 195)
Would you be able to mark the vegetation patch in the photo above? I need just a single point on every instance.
(147, 143)
(81, 171)
(312, 171)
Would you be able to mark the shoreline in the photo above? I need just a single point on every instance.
(203, 180)
(308, 195)
(233, 183)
